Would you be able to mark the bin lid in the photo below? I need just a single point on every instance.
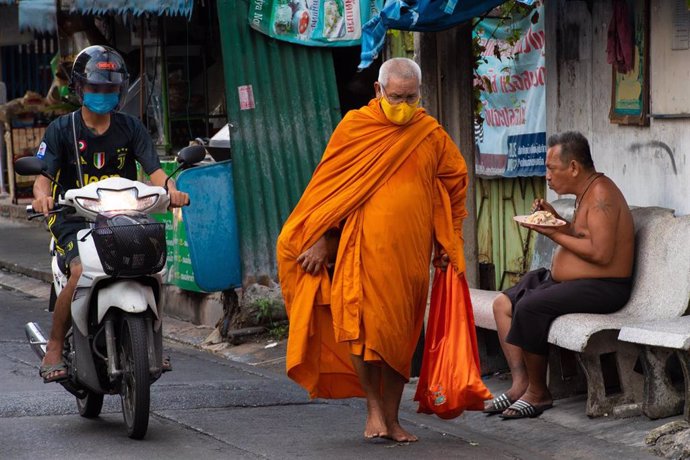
(219, 144)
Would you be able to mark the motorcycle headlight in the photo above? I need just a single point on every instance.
(146, 202)
(117, 200)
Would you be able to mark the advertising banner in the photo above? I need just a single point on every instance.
(313, 22)
(511, 140)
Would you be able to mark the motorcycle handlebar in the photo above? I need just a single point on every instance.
(32, 214)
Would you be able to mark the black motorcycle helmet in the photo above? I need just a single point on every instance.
(99, 65)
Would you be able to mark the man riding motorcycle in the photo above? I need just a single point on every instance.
(91, 144)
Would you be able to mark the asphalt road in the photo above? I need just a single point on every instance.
(208, 407)
(237, 403)
(41, 420)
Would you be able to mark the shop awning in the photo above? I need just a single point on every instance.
(135, 7)
(40, 15)
(421, 16)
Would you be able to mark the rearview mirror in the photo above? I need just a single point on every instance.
(191, 155)
(30, 166)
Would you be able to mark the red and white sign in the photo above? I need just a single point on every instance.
(246, 93)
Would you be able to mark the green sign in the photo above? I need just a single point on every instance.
(178, 265)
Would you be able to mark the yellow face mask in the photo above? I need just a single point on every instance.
(398, 114)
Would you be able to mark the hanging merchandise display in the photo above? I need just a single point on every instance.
(511, 131)
(313, 22)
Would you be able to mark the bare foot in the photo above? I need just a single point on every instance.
(376, 423)
(375, 427)
(398, 434)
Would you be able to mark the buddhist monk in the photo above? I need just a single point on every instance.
(389, 190)
(590, 273)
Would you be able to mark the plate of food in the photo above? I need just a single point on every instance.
(540, 218)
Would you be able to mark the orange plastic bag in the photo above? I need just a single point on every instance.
(450, 381)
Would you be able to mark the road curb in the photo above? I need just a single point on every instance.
(17, 213)
(30, 272)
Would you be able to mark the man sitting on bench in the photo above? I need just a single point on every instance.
(590, 273)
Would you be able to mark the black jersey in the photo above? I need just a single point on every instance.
(111, 154)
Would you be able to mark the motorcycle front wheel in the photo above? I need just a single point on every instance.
(90, 406)
(134, 360)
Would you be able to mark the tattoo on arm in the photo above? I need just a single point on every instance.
(604, 206)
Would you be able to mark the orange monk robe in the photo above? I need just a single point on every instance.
(395, 188)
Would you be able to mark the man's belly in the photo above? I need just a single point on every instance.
(567, 266)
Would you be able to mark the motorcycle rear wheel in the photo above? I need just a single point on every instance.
(134, 360)
(91, 405)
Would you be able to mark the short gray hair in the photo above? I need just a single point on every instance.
(403, 68)
(574, 146)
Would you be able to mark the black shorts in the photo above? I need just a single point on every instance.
(65, 233)
(537, 300)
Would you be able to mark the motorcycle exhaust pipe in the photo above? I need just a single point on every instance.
(36, 339)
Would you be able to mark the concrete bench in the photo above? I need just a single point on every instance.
(665, 347)
(661, 290)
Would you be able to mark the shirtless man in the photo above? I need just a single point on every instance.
(590, 273)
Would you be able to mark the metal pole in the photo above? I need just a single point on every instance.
(164, 90)
(3, 99)
(142, 72)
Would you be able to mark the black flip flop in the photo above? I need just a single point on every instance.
(498, 405)
(523, 409)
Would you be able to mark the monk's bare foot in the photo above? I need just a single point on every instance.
(376, 423)
(375, 427)
(398, 434)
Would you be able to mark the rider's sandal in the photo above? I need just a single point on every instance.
(58, 369)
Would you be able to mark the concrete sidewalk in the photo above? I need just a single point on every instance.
(564, 432)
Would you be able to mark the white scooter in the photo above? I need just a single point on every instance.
(115, 343)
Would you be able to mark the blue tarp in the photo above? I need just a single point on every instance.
(418, 15)
(136, 7)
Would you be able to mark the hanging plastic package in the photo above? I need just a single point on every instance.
(450, 380)
(313, 22)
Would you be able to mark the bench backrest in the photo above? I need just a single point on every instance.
(661, 287)
(661, 277)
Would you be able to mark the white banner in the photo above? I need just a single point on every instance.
(511, 140)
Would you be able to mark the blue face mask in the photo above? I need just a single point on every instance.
(101, 103)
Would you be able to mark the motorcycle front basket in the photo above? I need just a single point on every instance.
(131, 250)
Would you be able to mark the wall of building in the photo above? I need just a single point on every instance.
(650, 164)
(445, 58)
